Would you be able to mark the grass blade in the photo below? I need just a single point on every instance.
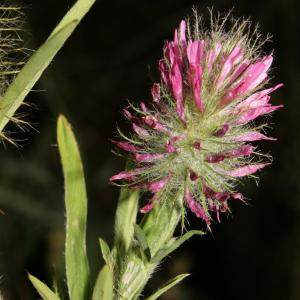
(167, 286)
(76, 212)
(39, 61)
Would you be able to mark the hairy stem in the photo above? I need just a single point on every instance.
(135, 269)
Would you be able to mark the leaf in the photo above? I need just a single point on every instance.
(167, 286)
(39, 61)
(77, 269)
(125, 219)
(105, 251)
(103, 289)
(174, 245)
(42, 289)
(142, 240)
(160, 223)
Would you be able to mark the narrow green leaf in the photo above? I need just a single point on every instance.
(40, 60)
(42, 289)
(167, 286)
(103, 289)
(162, 253)
(125, 219)
(105, 251)
(76, 212)
(142, 240)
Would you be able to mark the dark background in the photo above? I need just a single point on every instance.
(112, 57)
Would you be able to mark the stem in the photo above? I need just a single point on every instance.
(134, 269)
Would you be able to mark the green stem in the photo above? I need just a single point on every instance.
(134, 269)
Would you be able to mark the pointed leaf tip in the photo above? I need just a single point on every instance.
(168, 285)
(44, 291)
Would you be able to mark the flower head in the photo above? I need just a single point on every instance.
(196, 135)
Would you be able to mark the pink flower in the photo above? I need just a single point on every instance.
(200, 123)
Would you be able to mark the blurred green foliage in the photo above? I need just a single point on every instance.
(254, 254)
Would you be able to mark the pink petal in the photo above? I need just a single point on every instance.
(254, 113)
(215, 158)
(196, 208)
(238, 71)
(179, 35)
(125, 146)
(254, 75)
(144, 107)
(260, 98)
(233, 58)
(242, 171)
(170, 145)
(194, 51)
(147, 157)
(197, 82)
(141, 132)
(157, 186)
(152, 122)
(237, 196)
(127, 175)
(176, 83)
(149, 205)
(212, 55)
(129, 116)
(155, 91)
(244, 150)
(164, 72)
(222, 131)
(182, 30)
(250, 137)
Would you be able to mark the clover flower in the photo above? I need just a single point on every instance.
(196, 134)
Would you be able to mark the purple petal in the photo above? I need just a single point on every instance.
(196, 208)
(152, 122)
(155, 91)
(222, 131)
(197, 145)
(126, 146)
(127, 175)
(170, 145)
(193, 175)
(157, 186)
(144, 107)
(215, 158)
(145, 209)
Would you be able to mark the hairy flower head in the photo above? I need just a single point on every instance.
(196, 134)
